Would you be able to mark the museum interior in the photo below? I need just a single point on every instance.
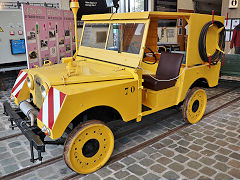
(119, 89)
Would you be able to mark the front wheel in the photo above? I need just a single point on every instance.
(194, 105)
(88, 147)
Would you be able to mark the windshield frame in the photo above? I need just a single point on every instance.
(122, 58)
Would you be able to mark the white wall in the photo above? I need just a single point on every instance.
(185, 4)
(65, 4)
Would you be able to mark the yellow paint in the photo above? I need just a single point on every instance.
(77, 158)
(196, 23)
(193, 115)
(211, 39)
(101, 77)
(1, 30)
(75, 6)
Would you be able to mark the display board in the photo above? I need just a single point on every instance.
(69, 32)
(11, 37)
(92, 7)
(56, 34)
(230, 24)
(44, 30)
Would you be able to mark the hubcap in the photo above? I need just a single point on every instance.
(90, 148)
(195, 106)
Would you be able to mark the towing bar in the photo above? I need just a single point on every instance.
(33, 133)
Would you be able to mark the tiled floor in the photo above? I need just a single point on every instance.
(209, 149)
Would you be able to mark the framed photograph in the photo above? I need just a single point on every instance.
(180, 22)
(227, 37)
(170, 32)
(227, 23)
(179, 31)
(235, 22)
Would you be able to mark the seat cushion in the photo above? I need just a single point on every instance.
(153, 84)
(168, 68)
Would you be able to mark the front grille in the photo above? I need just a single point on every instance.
(38, 94)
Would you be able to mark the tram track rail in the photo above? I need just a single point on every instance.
(127, 152)
(209, 99)
(140, 146)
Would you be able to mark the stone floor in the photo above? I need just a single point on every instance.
(209, 149)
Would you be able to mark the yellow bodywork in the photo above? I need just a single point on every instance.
(102, 77)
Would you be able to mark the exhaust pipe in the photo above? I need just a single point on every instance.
(29, 111)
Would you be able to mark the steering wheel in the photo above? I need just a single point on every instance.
(155, 57)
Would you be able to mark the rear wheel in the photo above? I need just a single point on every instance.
(88, 147)
(194, 105)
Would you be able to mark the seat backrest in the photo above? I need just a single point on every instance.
(169, 65)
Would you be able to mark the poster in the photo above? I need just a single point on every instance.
(235, 22)
(36, 35)
(227, 24)
(227, 36)
(56, 35)
(49, 34)
(69, 32)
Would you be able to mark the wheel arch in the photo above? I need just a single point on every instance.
(103, 113)
(200, 82)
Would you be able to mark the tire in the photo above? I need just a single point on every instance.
(88, 147)
(194, 105)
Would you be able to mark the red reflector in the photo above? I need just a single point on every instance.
(46, 132)
(210, 61)
(223, 59)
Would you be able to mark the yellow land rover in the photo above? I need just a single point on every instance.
(116, 71)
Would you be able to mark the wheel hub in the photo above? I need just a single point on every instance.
(90, 148)
(195, 106)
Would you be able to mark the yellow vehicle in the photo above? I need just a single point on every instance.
(113, 77)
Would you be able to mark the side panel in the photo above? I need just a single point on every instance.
(196, 23)
(160, 99)
(193, 74)
(120, 95)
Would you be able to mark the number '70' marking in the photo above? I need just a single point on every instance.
(129, 90)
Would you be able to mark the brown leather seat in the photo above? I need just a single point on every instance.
(168, 68)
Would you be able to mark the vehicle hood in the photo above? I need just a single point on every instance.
(82, 72)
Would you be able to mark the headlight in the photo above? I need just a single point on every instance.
(43, 91)
(30, 82)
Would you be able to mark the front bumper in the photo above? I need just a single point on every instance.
(34, 134)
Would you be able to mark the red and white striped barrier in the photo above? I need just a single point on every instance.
(22, 76)
(51, 107)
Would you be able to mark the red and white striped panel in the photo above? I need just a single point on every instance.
(22, 76)
(51, 107)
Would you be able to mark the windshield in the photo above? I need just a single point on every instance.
(122, 37)
(95, 35)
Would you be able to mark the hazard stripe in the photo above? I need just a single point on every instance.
(45, 112)
(57, 103)
(19, 82)
(20, 75)
(50, 109)
(40, 115)
(62, 97)
(17, 94)
(16, 91)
